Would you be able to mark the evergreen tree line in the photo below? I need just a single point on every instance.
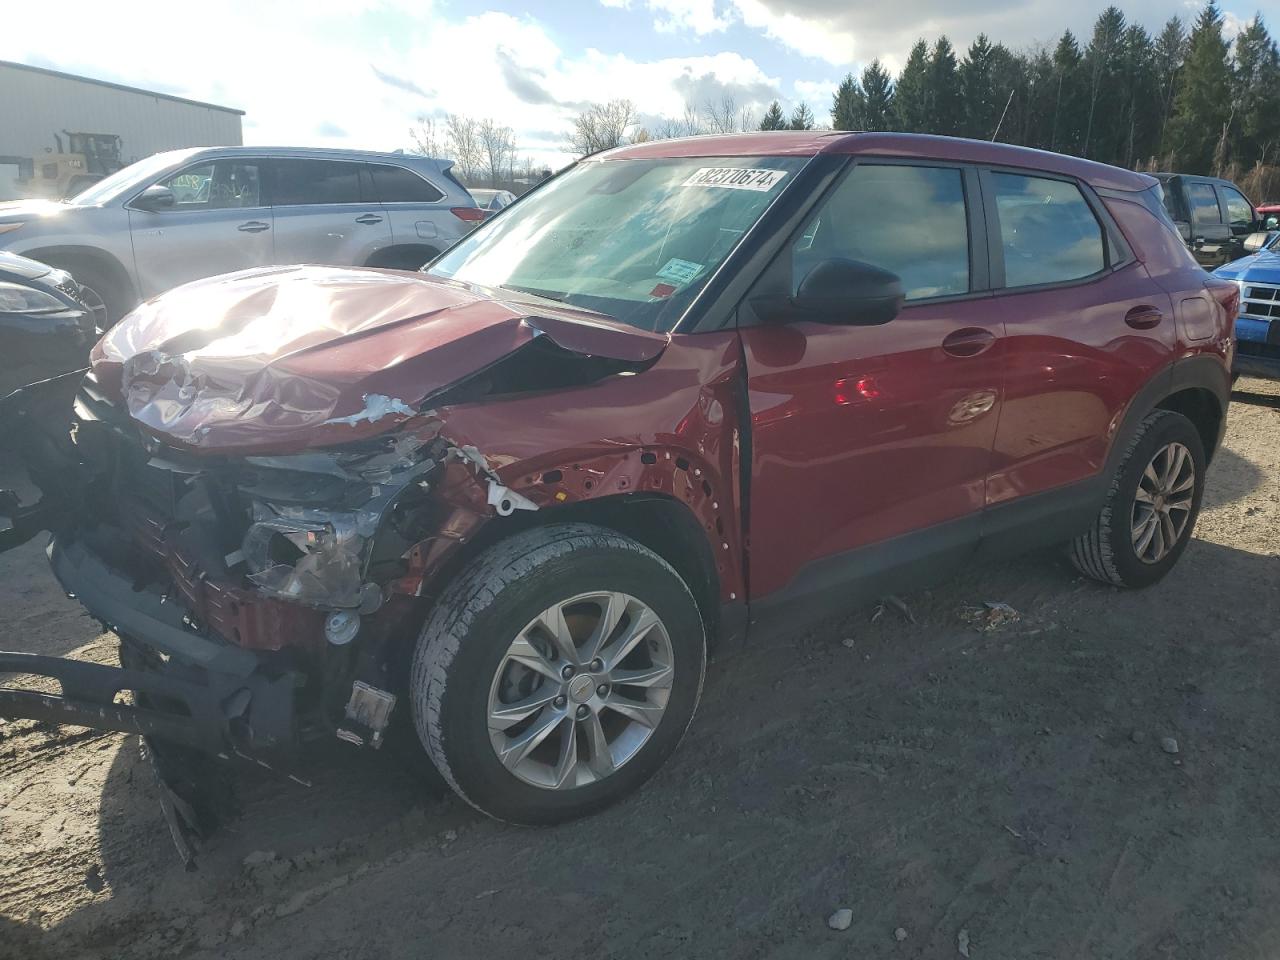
(1191, 103)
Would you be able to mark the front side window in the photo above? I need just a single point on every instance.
(398, 185)
(1239, 210)
(302, 182)
(216, 185)
(633, 239)
(1048, 231)
(908, 220)
(1204, 203)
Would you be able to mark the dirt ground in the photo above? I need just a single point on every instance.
(1004, 779)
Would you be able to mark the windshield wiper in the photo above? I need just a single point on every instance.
(541, 294)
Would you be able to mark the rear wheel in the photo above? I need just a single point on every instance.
(1151, 508)
(557, 673)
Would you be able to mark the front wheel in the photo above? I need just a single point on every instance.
(557, 673)
(1151, 507)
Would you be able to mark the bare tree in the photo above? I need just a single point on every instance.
(602, 126)
(721, 117)
(462, 139)
(688, 125)
(498, 146)
(426, 138)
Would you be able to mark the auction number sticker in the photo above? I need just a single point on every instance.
(735, 178)
(679, 271)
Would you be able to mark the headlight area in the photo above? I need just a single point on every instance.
(329, 530)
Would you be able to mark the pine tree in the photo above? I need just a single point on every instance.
(1170, 52)
(1257, 94)
(1067, 130)
(1140, 128)
(1202, 106)
(1012, 88)
(945, 101)
(848, 105)
(801, 118)
(877, 88)
(911, 96)
(980, 112)
(1104, 70)
(774, 118)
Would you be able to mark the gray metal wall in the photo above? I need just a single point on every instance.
(34, 106)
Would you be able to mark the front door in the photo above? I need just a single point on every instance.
(877, 435)
(219, 223)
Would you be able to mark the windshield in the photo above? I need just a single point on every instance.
(124, 179)
(633, 239)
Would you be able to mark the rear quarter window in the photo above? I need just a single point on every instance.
(398, 185)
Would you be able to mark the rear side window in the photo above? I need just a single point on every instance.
(398, 185)
(1048, 231)
(1239, 210)
(299, 182)
(1204, 203)
(909, 220)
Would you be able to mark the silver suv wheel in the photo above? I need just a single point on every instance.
(1162, 503)
(580, 690)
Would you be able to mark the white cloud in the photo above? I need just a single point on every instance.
(810, 37)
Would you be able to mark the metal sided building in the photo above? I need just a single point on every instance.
(37, 104)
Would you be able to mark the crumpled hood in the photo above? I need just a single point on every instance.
(1261, 267)
(285, 358)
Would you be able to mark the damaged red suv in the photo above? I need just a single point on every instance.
(685, 391)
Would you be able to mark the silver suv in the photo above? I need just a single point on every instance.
(188, 214)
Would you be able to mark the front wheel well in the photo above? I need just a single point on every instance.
(662, 524)
(121, 296)
(1203, 409)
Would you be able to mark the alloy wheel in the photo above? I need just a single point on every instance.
(580, 690)
(1162, 503)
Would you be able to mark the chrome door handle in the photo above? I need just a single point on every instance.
(253, 226)
(369, 218)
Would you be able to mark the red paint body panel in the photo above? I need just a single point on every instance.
(860, 434)
(1072, 367)
(262, 359)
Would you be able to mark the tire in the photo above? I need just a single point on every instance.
(463, 669)
(99, 284)
(1108, 551)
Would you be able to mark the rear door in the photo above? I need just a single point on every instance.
(219, 223)
(864, 435)
(416, 208)
(325, 212)
(1086, 328)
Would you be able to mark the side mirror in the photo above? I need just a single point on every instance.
(849, 292)
(155, 197)
(1255, 242)
(1184, 230)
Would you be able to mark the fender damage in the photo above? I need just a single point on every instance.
(268, 476)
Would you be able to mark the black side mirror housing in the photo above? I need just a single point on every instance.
(155, 197)
(848, 292)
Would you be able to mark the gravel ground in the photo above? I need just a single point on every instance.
(979, 779)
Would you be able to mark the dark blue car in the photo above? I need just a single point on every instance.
(1258, 325)
(48, 322)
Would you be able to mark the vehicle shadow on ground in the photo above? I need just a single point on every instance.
(1230, 478)
(1001, 776)
(1256, 399)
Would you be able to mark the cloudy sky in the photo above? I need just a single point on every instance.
(358, 72)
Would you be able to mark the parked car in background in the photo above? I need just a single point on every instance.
(189, 214)
(491, 201)
(1268, 214)
(687, 389)
(1258, 324)
(47, 322)
(1213, 216)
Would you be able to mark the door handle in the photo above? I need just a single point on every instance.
(369, 218)
(253, 226)
(1144, 317)
(968, 342)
